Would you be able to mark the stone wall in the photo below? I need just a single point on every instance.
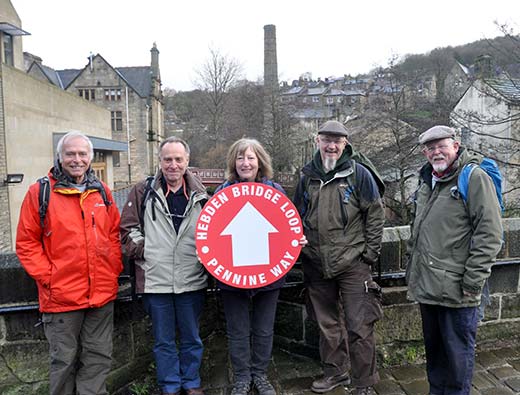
(399, 334)
(24, 349)
(24, 354)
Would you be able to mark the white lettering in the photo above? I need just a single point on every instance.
(205, 218)
(245, 190)
(210, 210)
(236, 278)
(202, 236)
(218, 270)
(213, 262)
(288, 256)
(227, 275)
(277, 272)
(252, 279)
(261, 276)
(223, 198)
(236, 191)
(285, 264)
(215, 203)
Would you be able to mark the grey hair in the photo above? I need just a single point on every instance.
(174, 139)
(68, 135)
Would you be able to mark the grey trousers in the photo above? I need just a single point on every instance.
(80, 348)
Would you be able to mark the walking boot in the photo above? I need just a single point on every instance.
(241, 388)
(328, 383)
(263, 386)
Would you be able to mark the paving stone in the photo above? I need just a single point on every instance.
(388, 387)
(217, 376)
(515, 363)
(385, 374)
(484, 380)
(497, 391)
(504, 372)
(417, 387)
(514, 384)
(507, 353)
(488, 360)
(408, 373)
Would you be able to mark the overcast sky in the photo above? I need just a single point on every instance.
(326, 38)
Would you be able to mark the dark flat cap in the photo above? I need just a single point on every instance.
(436, 133)
(333, 127)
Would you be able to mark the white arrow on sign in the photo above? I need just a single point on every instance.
(249, 232)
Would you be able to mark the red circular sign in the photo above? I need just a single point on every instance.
(248, 235)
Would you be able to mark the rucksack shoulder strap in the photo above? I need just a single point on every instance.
(148, 189)
(43, 198)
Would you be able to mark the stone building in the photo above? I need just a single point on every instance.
(133, 95)
(489, 116)
(33, 116)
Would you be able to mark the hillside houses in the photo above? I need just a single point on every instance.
(346, 96)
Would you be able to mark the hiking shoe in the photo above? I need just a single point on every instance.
(263, 386)
(241, 388)
(328, 383)
(364, 391)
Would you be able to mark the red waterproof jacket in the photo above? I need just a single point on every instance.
(76, 258)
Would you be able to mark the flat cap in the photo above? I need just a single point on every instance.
(333, 127)
(436, 133)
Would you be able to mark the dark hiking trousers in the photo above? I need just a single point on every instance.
(250, 323)
(449, 341)
(361, 311)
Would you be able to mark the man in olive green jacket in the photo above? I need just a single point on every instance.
(342, 214)
(451, 250)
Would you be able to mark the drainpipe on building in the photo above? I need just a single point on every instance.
(149, 141)
(128, 137)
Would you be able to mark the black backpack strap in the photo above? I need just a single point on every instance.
(103, 192)
(43, 198)
(148, 190)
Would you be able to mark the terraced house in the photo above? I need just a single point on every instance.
(133, 95)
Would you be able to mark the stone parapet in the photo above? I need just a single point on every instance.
(24, 350)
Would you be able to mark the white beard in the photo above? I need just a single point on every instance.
(329, 164)
(440, 167)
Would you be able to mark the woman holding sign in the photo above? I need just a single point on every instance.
(250, 334)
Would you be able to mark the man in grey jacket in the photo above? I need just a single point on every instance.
(451, 250)
(161, 240)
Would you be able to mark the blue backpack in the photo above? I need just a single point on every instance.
(491, 169)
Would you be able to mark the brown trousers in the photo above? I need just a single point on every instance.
(345, 296)
(80, 344)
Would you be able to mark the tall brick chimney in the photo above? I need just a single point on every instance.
(270, 61)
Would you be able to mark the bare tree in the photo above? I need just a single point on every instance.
(215, 78)
(382, 133)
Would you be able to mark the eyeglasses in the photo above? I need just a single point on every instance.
(433, 148)
(332, 140)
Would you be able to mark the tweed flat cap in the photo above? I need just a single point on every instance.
(333, 127)
(436, 133)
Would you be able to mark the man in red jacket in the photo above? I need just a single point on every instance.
(75, 258)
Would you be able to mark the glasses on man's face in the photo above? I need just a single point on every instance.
(432, 148)
(331, 140)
